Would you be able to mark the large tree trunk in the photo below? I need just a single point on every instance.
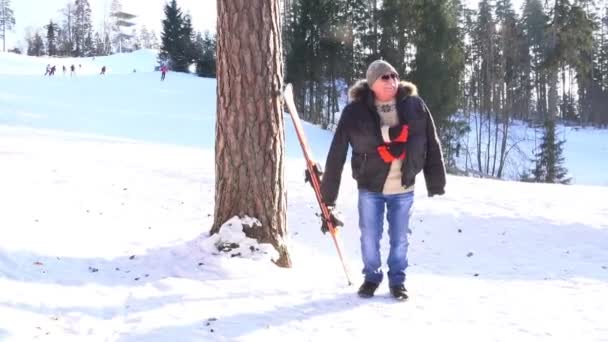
(249, 146)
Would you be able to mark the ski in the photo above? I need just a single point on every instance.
(312, 175)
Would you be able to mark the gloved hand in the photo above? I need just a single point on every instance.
(334, 219)
(317, 169)
(435, 192)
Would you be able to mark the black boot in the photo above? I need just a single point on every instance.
(367, 289)
(399, 292)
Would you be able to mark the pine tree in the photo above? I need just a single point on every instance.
(187, 43)
(89, 46)
(83, 28)
(51, 38)
(144, 38)
(135, 40)
(439, 62)
(177, 47)
(107, 45)
(171, 31)
(7, 20)
(599, 100)
(582, 24)
(35, 45)
(511, 93)
(99, 46)
(66, 36)
(534, 21)
(154, 44)
(249, 124)
(359, 18)
(391, 32)
(206, 51)
(549, 159)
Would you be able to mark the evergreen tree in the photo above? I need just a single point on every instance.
(35, 45)
(359, 18)
(154, 44)
(533, 22)
(570, 27)
(393, 32)
(511, 93)
(83, 28)
(599, 101)
(107, 45)
(51, 38)
(320, 40)
(187, 37)
(89, 46)
(582, 24)
(135, 40)
(549, 159)
(7, 20)
(206, 55)
(99, 46)
(144, 38)
(438, 64)
(177, 47)
(66, 36)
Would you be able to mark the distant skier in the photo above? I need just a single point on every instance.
(163, 71)
(48, 70)
(72, 70)
(52, 72)
(64, 70)
(103, 70)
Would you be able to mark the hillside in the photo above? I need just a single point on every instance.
(107, 197)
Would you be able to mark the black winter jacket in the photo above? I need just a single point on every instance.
(359, 127)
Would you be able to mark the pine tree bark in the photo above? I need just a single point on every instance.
(249, 146)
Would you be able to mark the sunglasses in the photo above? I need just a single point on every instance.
(389, 76)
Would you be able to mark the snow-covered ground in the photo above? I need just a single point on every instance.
(106, 197)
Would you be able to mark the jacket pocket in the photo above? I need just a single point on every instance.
(358, 163)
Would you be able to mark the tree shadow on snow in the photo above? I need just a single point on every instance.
(180, 261)
(231, 328)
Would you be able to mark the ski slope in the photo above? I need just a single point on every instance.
(107, 188)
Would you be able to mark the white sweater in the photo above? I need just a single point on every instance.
(388, 119)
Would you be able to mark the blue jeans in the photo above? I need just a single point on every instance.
(371, 223)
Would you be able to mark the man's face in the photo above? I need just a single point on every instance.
(385, 87)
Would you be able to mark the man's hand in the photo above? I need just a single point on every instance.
(317, 169)
(335, 220)
(435, 192)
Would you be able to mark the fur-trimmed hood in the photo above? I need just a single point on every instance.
(361, 92)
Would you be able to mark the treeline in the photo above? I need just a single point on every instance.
(180, 45)
(478, 69)
(550, 60)
(73, 35)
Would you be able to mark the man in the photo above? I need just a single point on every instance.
(393, 138)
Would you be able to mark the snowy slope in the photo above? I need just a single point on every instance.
(142, 60)
(104, 238)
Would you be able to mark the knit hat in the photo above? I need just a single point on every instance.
(378, 68)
